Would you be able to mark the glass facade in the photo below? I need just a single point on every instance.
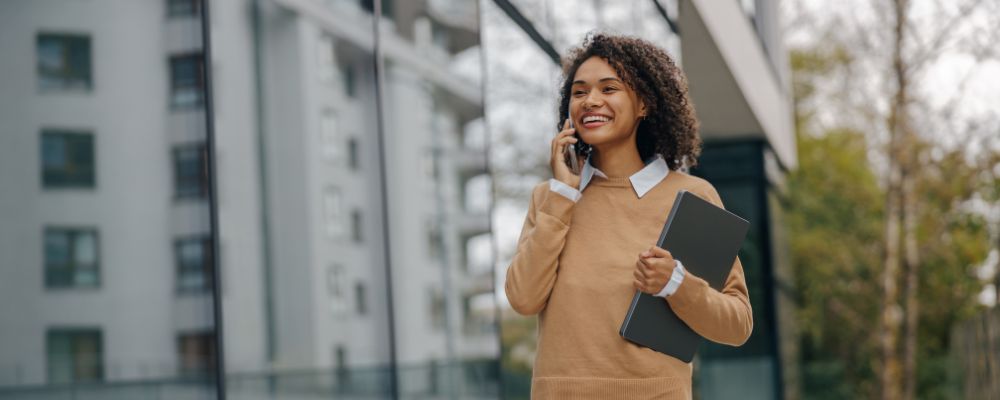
(278, 199)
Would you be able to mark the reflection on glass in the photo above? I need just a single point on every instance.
(183, 8)
(71, 258)
(74, 355)
(189, 171)
(194, 261)
(63, 62)
(315, 208)
(104, 127)
(187, 80)
(67, 159)
(522, 117)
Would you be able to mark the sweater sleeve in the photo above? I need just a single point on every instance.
(532, 272)
(720, 316)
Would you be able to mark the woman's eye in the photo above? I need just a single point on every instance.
(579, 93)
(610, 89)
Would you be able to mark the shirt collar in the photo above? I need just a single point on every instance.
(642, 182)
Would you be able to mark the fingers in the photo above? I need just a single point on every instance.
(652, 270)
(656, 251)
(561, 139)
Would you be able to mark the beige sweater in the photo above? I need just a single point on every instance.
(573, 267)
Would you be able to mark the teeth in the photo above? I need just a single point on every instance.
(595, 118)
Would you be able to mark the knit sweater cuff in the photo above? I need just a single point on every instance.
(558, 206)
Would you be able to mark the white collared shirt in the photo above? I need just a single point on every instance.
(655, 171)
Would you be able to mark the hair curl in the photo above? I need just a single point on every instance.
(670, 127)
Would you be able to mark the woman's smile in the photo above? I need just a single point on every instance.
(592, 120)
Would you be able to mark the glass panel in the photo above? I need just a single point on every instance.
(197, 353)
(187, 81)
(93, 308)
(189, 168)
(331, 137)
(522, 104)
(63, 62)
(296, 112)
(67, 159)
(183, 8)
(333, 208)
(74, 355)
(192, 272)
(60, 358)
(437, 200)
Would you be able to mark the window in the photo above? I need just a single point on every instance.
(190, 166)
(437, 309)
(335, 281)
(429, 163)
(187, 81)
(196, 354)
(435, 241)
(341, 373)
(74, 355)
(64, 62)
(369, 5)
(194, 264)
(67, 159)
(352, 154)
(356, 226)
(333, 211)
(71, 258)
(329, 135)
(359, 298)
(349, 81)
(183, 8)
(326, 67)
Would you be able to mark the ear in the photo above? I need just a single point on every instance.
(642, 109)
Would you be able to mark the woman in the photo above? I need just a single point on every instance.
(588, 241)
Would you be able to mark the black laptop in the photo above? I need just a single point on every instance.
(706, 238)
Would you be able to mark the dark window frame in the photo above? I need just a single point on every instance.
(357, 226)
(349, 78)
(177, 61)
(66, 77)
(184, 8)
(360, 298)
(49, 280)
(75, 172)
(206, 268)
(184, 182)
(353, 156)
(73, 334)
(207, 369)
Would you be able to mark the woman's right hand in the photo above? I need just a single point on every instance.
(561, 171)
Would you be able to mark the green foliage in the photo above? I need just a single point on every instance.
(834, 213)
(834, 210)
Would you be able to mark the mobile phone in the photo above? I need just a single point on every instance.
(570, 151)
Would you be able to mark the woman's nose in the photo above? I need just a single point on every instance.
(591, 102)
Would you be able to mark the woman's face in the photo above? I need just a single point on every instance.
(604, 109)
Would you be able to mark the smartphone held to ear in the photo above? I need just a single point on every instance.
(570, 150)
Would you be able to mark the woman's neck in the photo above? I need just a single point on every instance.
(618, 161)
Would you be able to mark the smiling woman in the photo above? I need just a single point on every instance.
(606, 66)
(588, 242)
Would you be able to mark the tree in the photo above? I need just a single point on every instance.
(836, 211)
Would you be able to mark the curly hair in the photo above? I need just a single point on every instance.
(670, 127)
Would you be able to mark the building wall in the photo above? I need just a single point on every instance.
(291, 266)
(131, 206)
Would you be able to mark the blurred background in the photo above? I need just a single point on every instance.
(305, 199)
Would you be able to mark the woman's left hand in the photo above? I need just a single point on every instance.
(653, 270)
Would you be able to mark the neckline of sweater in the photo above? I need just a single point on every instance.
(623, 181)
